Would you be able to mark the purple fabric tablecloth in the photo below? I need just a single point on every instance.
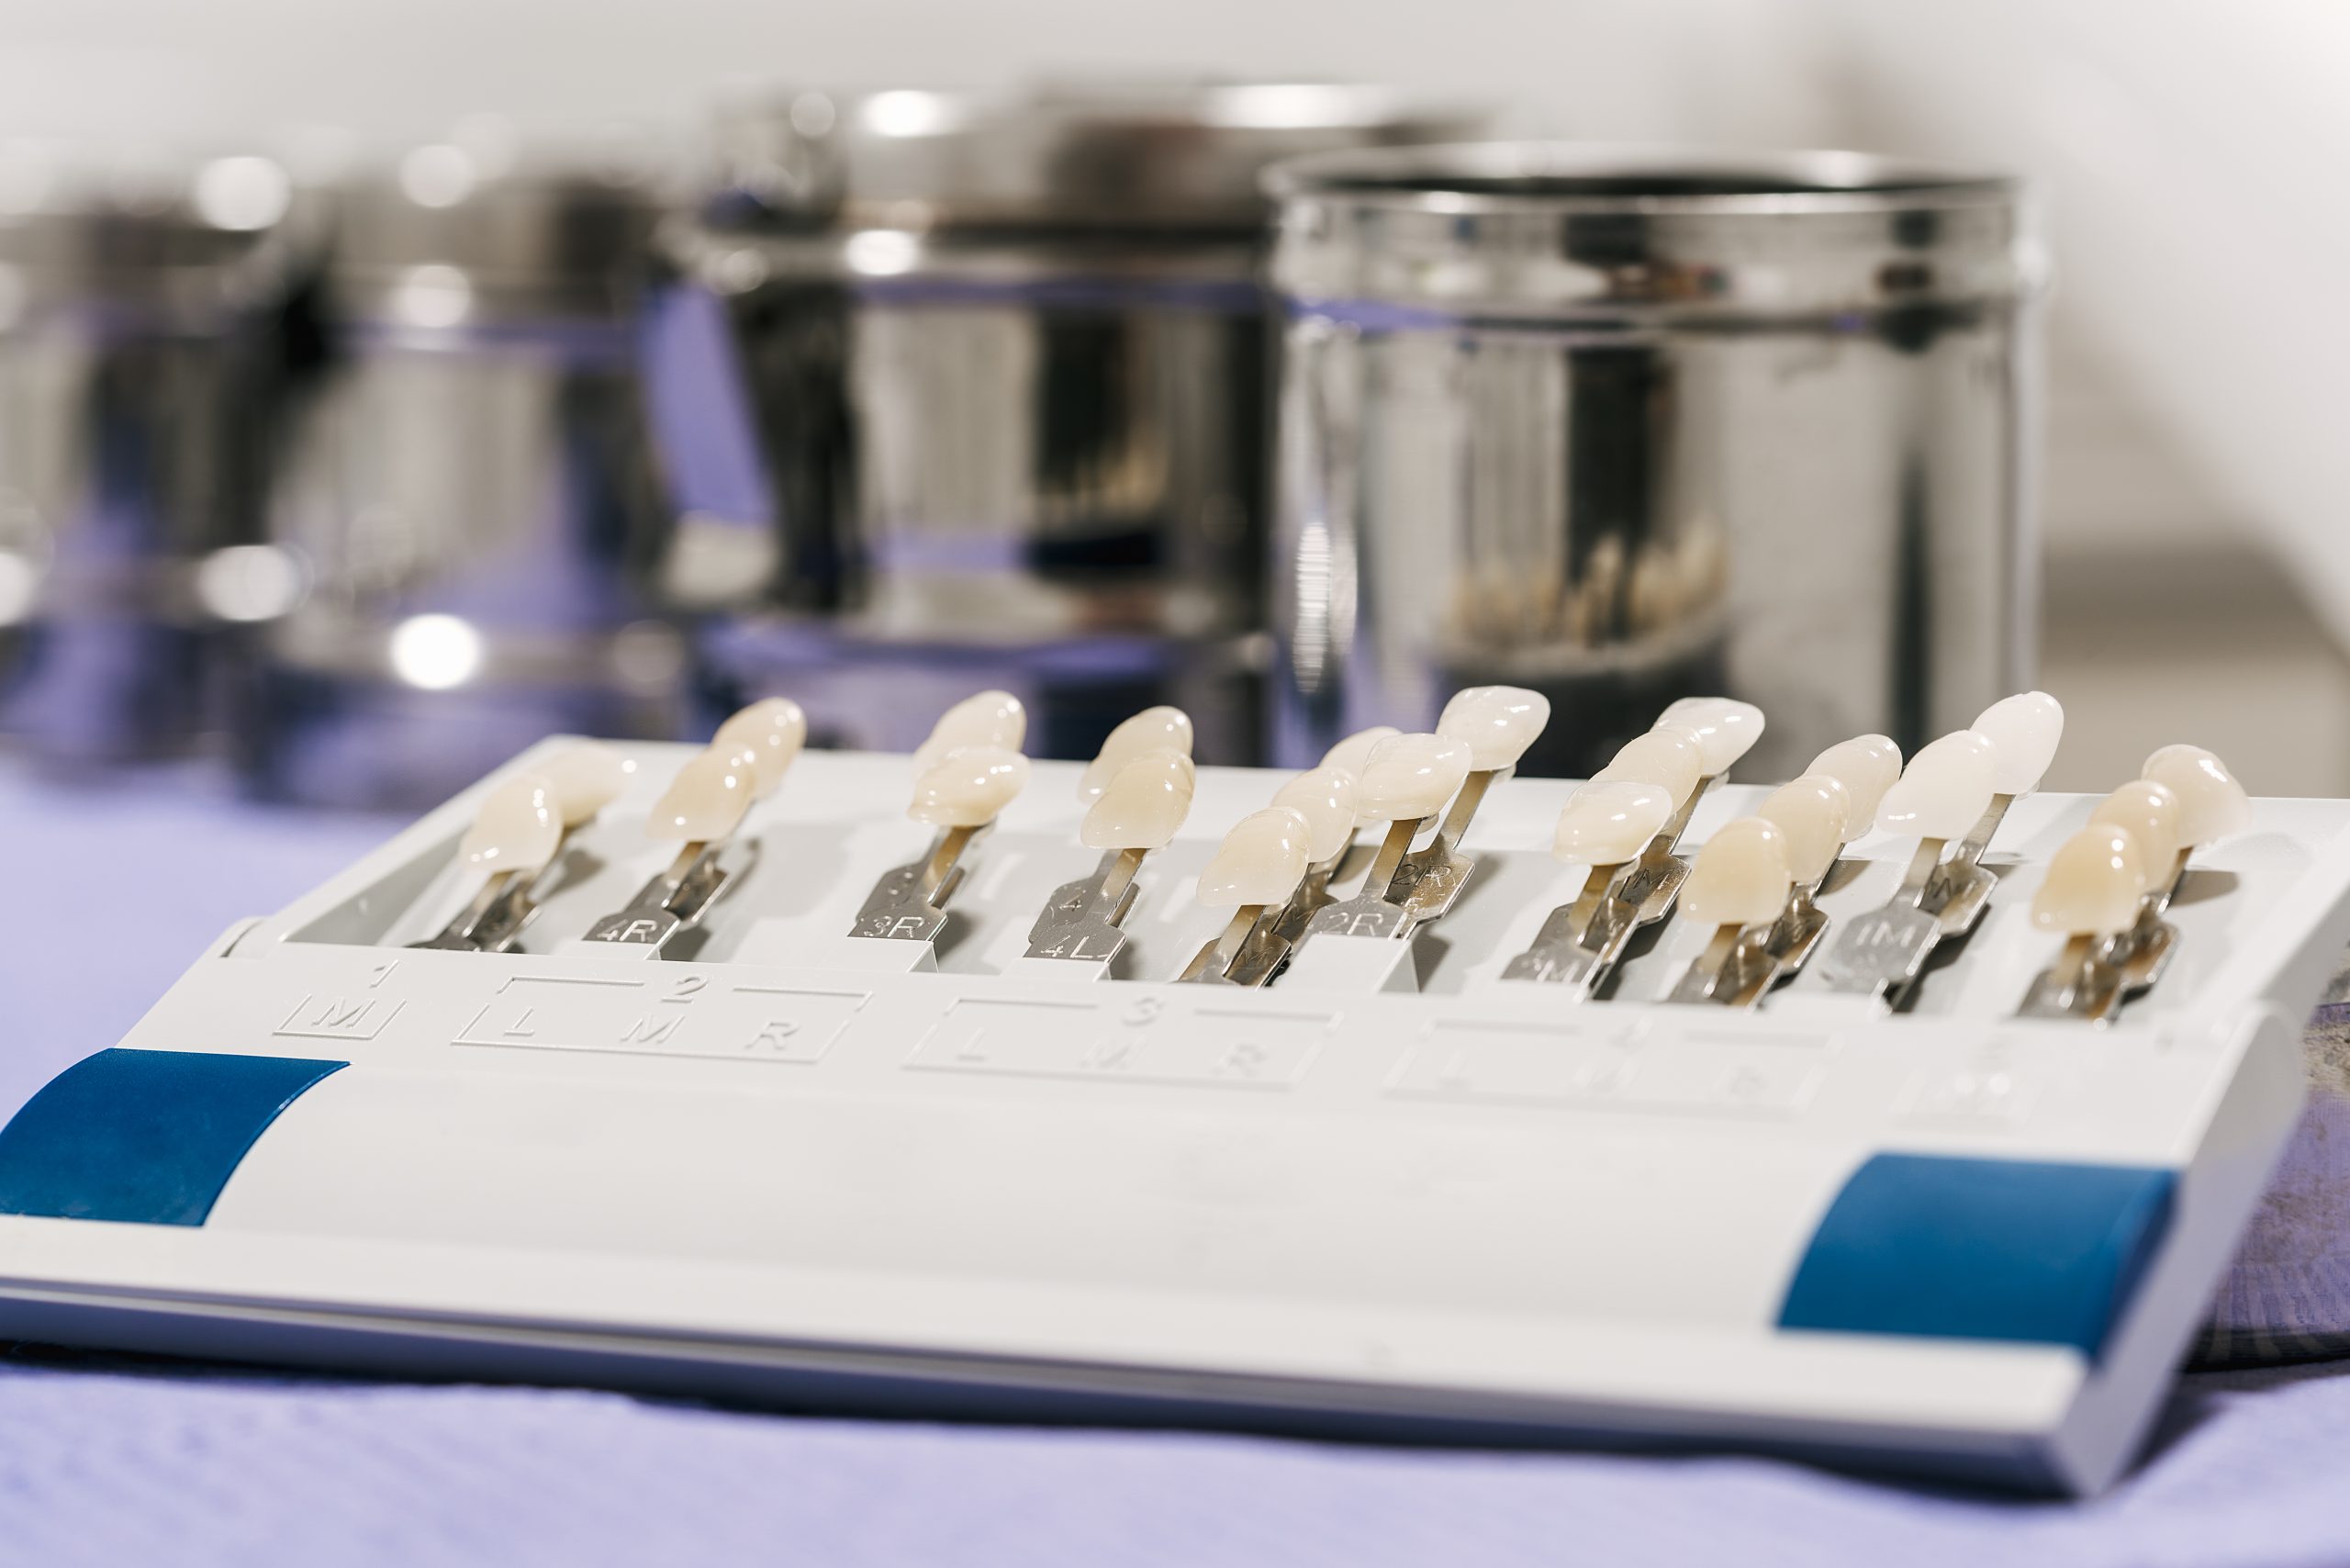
(108, 1461)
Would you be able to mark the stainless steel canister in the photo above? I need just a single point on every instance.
(962, 389)
(1624, 426)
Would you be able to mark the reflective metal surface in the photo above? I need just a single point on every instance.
(1623, 427)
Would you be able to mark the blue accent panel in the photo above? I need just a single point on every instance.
(149, 1137)
(1982, 1250)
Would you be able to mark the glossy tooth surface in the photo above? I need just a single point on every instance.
(1325, 797)
(2150, 810)
(708, 797)
(1498, 722)
(1147, 800)
(1726, 728)
(1409, 776)
(1607, 824)
(2211, 804)
(968, 785)
(2092, 884)
(1866, 766)
(517, 828)
(586, 778)
(2027, 729)
(983, 719)
(1261, 860)
(1944, 791)
(1668, 757)
(773, 732)
(1153, 729)
(1811, 813)
(1740, 878)
(1355, 750)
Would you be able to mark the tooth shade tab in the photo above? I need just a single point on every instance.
(1153, 729)
(1260, 861)
(1726, 728)
(2093, 883)
(1498, 722)
(2026, 728)
(772, 731)
(1324, 798)
(983, 719)
(587, 776)
(1866, 766)
(1353, 752)
(1668, 757)
(1610, 823)
(2211, 804)
(1944, 791)
(1410, 775)
(1144, 804)
(2151, 812)
(967, 787)
(1740, 878)
(708, 798)
(1811, 813)
(517, 828)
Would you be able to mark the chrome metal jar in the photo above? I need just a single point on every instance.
(1627, 426)
(961, 390)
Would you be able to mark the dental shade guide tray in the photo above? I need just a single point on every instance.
(1420, 1197)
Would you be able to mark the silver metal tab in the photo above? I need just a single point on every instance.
(1081, 919)
(1881, 953)
(909, 903)
(670, 902)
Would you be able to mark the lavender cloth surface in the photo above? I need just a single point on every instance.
(112, 888)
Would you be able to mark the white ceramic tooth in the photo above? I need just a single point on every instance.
(1740, 878)
(1944, 791)
(1261, 860)
(2092, 885)
(1153, 729)
(1811, 813)
(1355, 750)
(1610, 823)
(1497, 722)
(517, 828)
(1409, 776)
(1325, 797)
(2150, 810)
(968, 785)
(1866, 766)
(1145, 802)
(773, 730)
(1668, 757)
(984, 717)
(1726, 728)
(707, 798)
(2027, 728)
(2211, 804)
(587, 777)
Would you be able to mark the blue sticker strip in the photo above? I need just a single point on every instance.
(147, 1137)
(1964, 1248)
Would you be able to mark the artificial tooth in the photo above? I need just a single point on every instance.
(2025, 729)
(983, 719)
(1811, 813)
(1260, 861)
(2093, 883)
(967, 787)
(1740, 878)
(1355, 750)
(1409, 776)
(2211, 804)
(1725, 729)
(1610, 823)
(1944, 791)
(518, 827)
(2150, 810)
(1498, 723)
(1866, 766)
(772, 731)
(1325, 797)
(587, 776)
(708, 798)
(1153, 729)
(1143, 803)
(1669, 756)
